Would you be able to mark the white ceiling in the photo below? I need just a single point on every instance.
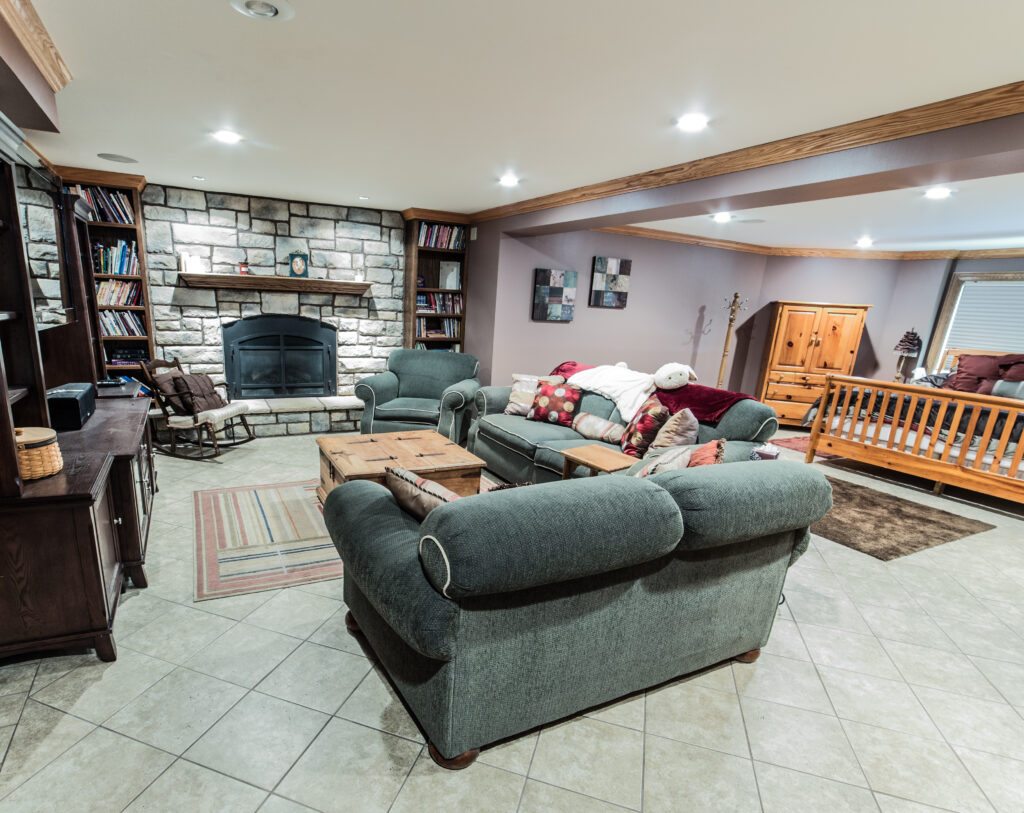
(980, 214)
(427, 104)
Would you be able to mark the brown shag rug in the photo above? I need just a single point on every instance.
(888, 527)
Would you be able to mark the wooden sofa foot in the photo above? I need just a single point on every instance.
(350, 622)
(457, 763)
(749, 657)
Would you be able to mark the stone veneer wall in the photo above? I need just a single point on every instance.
(223, 230)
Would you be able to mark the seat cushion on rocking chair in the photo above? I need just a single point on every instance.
(218, 417)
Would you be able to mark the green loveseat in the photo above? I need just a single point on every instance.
(520, 451)
(505, 611)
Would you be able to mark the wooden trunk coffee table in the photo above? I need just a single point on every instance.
(424, 451)
(596, 457)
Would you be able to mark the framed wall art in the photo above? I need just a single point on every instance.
(609, 282)
(554, 295)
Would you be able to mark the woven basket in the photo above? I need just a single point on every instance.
(38, 452)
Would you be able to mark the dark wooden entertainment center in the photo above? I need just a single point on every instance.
(68, 542)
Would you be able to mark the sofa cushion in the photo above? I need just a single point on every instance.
(644, 427)
(417, 495)
(549, 453)
(541, 535)
(556, 404)
(427, 410)
(597, 428)
(522, 435)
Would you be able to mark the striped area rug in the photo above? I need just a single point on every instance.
(254, 538)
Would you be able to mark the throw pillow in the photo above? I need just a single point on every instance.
(197, 393)
(555, 403)
(524, 390)
(971, 371)
(644, 427)
(1011, 368)
(164, 383)
(710, 453)
(416, 495)
(679, 430)
(677, 458)
(593, 427)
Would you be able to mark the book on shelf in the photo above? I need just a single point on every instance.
(431, 327)
(117, 292)
(439, 303)
(441, 235)
(121, 323)
(120, 259)
(111, 205)
(455, 348)
(144, 391)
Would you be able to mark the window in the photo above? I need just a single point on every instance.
(980, 312)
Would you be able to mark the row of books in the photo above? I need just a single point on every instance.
(438, 328)
(121, 323)
(126, 356)
(455, 348)
(111, 205)
(116, 292)
(439, 303)
(437, 235)
(119, 259)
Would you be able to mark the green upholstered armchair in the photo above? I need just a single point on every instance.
(504, 611)
(421, 389)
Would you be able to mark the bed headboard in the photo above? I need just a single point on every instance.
(949, 358)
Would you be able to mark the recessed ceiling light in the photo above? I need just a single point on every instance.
(227, 136)
(722, 217)
(692, 122)
(113, 156)
(262, 10)
(364, 197)
(198, 177)
(938, 193)
(508, 179)
(865, 242)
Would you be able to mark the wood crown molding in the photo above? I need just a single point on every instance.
(435, 214)
(23, 20)
(788, 251)
(99, 177)
(972, 108)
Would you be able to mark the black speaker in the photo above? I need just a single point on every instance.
(70, 405)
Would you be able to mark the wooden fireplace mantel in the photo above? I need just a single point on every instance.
(254, 282)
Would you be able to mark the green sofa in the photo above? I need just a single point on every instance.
(521, 451)
(506, 611)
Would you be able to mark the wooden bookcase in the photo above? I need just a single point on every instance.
(106, 234)
(433, 242)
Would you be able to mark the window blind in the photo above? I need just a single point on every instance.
(988, 316)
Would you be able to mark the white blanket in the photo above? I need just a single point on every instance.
(627, 388)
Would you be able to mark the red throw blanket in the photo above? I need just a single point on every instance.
(706, 403)
(568, 368)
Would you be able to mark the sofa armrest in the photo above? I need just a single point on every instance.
(377, 542)
(734, 502)
(376, 389)
(492, 400)
(744, 420)
(456, 403)
(544, 534)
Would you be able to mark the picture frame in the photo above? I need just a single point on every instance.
(609, 282)
(554, 295)
(298, 265)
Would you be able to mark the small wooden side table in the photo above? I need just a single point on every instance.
(596, 458)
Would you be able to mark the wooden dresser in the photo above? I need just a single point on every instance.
(807, 341)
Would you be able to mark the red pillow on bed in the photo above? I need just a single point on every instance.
(1011, 367)
(971, 371)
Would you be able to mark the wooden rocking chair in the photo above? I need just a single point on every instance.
(192, 431)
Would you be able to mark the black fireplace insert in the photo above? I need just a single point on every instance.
(280, 357)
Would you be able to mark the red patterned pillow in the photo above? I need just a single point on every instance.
(555, 403)
(644, 427)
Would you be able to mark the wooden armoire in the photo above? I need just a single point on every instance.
(806, 342)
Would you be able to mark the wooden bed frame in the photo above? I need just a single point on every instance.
(993, 467)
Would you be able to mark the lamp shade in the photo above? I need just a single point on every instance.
(909, 345)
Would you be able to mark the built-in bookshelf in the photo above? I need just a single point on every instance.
(435, 276)
(115, 268)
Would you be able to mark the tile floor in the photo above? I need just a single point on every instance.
(894, 686)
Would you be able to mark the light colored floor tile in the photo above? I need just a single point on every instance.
(691, 713)
(786, 641)
(244, 654)
(952, 671)
(848, 650)
(334, 633)
(278, 804)
(877, 701)
(316, 676)
(431, 789)
(42, 735)
(785, 791)
(782, 680)
(879, 591)
(513, 755)
(56, 666)
(6, 733)
(628, 712)
(175, 711)
(541, 798)
(137, 608)
(178, 634)
(1001, 778)
(836, 611)
(188, 787)
(1008, 678)
(172, 579)
(909, 626)
(236, 607)
(912, 768)
(680, 777)
(294, 612)
(349, 769)
(329, 588)
(258, 740)
(983, 725)
(104, 771)
(95, 691)
(801, 740)
(891, 804)
(375, 703)
(718, 678)
(988, 639)
(17, 677)
(11, 706)
(593, 758)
